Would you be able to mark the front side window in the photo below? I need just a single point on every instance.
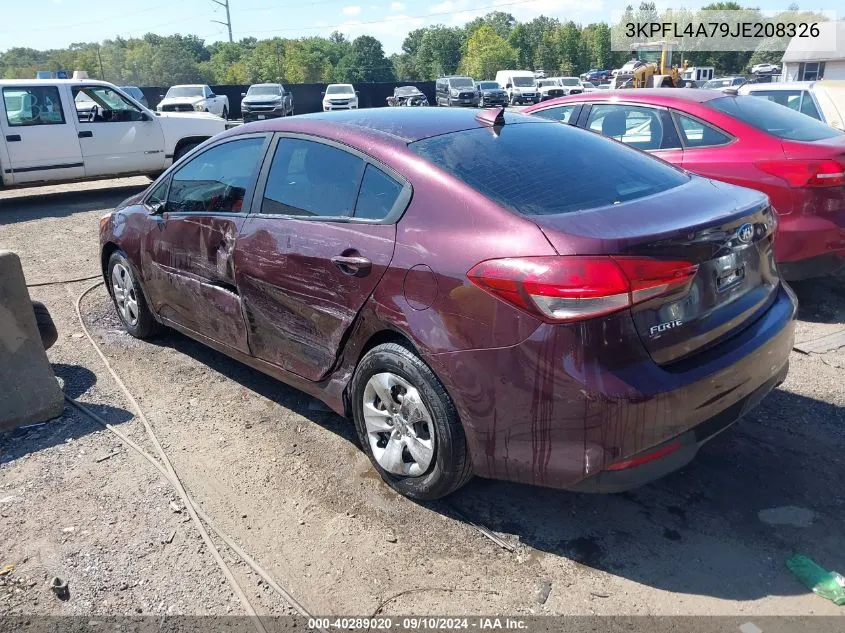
(216, 180)
(311, 179)
(597, 172)
(101, 104)
(634, 125)
(696, 133)
(558, 113)
(33, 105)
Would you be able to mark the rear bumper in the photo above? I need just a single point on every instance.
(808, 243)
(571, 400)
(611, 481)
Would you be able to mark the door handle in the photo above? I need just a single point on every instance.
(353, 265)
(86, 134)
(12, 138)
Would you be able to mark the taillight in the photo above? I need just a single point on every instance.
(806, 173)
(564, 289)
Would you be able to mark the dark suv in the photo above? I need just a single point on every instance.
(456, 91)
(490, 93)
(266, 101)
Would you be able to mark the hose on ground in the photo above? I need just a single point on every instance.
(167, 470)
(62, 281)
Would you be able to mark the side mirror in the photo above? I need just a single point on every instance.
(357, 93)
(508, 86)
(323, 94)
(212, 96)
(161, 96)
(156, 208)
(243, 94)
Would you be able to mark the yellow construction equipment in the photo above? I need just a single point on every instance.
(650, 67)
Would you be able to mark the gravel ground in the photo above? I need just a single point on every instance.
(286, 480)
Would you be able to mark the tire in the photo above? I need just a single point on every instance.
(187, 147)
(46, 327)
(449, 466)
(225, 113)
(139, 322)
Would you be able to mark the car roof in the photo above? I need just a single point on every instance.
(652, 95)
(779, 85)
(403, 125)
(48, 82)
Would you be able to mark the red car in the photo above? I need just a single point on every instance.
(794, 159)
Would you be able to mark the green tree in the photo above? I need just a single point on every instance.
(439, 52)
(486, 53)
(365, 62)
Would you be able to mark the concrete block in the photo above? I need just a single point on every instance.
(29, 392)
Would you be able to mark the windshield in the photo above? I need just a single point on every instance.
(523, 82)
(184, 91)
(404, 91)
(339, 89)
(461, 82)
(264, 90)
(496, 164)
(570, 81)
(774, 119)
(588, 84)
(489, 85)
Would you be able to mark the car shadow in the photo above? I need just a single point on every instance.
(70, 425)
(699, 530)
(821, 300)
(18, 205)
(288, 397)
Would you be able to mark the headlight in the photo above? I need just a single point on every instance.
(244, 106)
(199, 107)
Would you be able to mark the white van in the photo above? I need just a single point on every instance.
(698, 74)
(520, 85)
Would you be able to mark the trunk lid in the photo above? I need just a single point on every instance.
(727, 231)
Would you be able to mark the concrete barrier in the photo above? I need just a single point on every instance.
(29, 392)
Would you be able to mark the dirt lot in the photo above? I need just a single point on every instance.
(287, 481)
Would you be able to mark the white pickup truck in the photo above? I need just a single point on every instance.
(58, 130)
(194, 98)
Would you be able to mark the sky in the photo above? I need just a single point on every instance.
(59, 23)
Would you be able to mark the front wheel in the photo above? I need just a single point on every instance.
(408, 425)
(129, 301)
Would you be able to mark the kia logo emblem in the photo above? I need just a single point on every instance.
(745, 233)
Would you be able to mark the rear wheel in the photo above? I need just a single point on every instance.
(128, 298)
(408, 425)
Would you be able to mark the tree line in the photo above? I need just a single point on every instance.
(493, 42)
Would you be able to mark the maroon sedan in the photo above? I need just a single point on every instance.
(797, 161)
(473, 303)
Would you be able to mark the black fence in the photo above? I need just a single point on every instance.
(308, 97)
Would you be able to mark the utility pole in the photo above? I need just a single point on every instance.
(228, 22)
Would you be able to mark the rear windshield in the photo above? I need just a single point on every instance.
(541, 168)
(773, 118)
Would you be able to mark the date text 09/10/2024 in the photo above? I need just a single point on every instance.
(417, 623)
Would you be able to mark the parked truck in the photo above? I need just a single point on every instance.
(58, 130)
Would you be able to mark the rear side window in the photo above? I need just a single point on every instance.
(773, 119)
(696, 133)
(640, 127)
(558, 113)
(566, 169)
(311, 179)
(378, 194)
(33, 105)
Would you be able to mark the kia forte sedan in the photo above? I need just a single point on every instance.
(473, 308)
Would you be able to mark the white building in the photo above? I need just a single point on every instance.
(802, 63)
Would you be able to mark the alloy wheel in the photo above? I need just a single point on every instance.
(124, 294)
(399, 426)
